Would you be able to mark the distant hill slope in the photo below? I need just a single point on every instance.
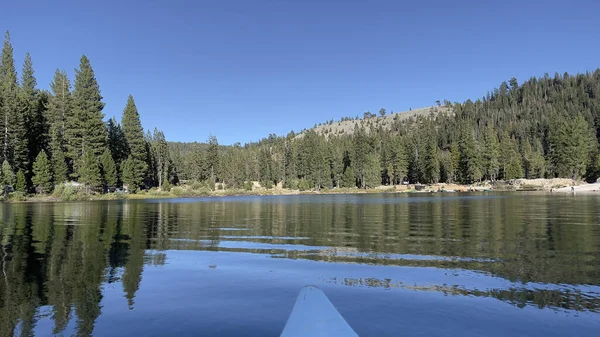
(347, 126)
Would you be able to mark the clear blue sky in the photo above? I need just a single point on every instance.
(247, 68)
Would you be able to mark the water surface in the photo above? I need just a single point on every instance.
(394, 265)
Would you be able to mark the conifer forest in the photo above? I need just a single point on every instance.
(544, 127)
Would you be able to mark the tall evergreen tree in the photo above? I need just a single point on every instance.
(42, 173)
(570, 145)
(134, 135)
(117, 144)
(361, 148)
(58, 161)
(21, 184)
(163, 162)
(491, 153)
(470, 165)
(399, 160)
(432, 161)
(86, 129)
(372, 171)
(34, 131)
(9, 117)
(60, 115)
(212, 157)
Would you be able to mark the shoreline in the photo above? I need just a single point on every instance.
(547, 186)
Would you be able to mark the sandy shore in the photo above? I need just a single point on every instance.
(585, 188)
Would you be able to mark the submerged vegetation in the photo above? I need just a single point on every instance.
(57, 143)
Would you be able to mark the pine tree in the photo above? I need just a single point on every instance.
(432, 161)
(21, 185)
(58, 161)
(33, 133)
(511, 158)
(349, 177)
(491, 153)
(117, 144)
(570, 146)
(86, 130)
(361, 148)
(134, 135)
(60, 116)
(212, 157)
(129, 175)
(372, 171)
(108, 169)
(9, 117)
(8, 175)
(42, 173)
(469, 156)
(454, 162)
(163, 162)
(399, 160)
(89, 171)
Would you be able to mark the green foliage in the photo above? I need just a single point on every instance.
(90, 173)
(11, 120)
(248, 185)
(8, 176)
(212, 157)
(129, 175)
(304, 185)
(570, 147)
(21, 185)
(17, 196)
(349, 178)
(167, 186)
(67, 124)
(432, 161)
(491, 154)
(117, 144)
(42, 173)
(67, 192)
(134, 135)
(512, 166)
(86, 131)
(372, 171)
(268, 184)
(470, 165)
(58, 162)
(108, 169)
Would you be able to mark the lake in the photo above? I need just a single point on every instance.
(393, 264)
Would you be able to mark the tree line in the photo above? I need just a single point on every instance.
(543, 128)
(51, 137)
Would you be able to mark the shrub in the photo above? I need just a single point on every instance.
(303, 185)
(69, 192)
(220, 186)
(178, 191)
(166, 186)
(17, 196)
(267, 184)
(292, 184)
(248, 185)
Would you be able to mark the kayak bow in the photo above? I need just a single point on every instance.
(314, 315)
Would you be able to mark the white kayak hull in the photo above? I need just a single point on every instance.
(314, 315)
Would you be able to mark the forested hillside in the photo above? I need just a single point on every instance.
(48, 138)
(545, 127)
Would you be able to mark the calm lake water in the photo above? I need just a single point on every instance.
(394, 265)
